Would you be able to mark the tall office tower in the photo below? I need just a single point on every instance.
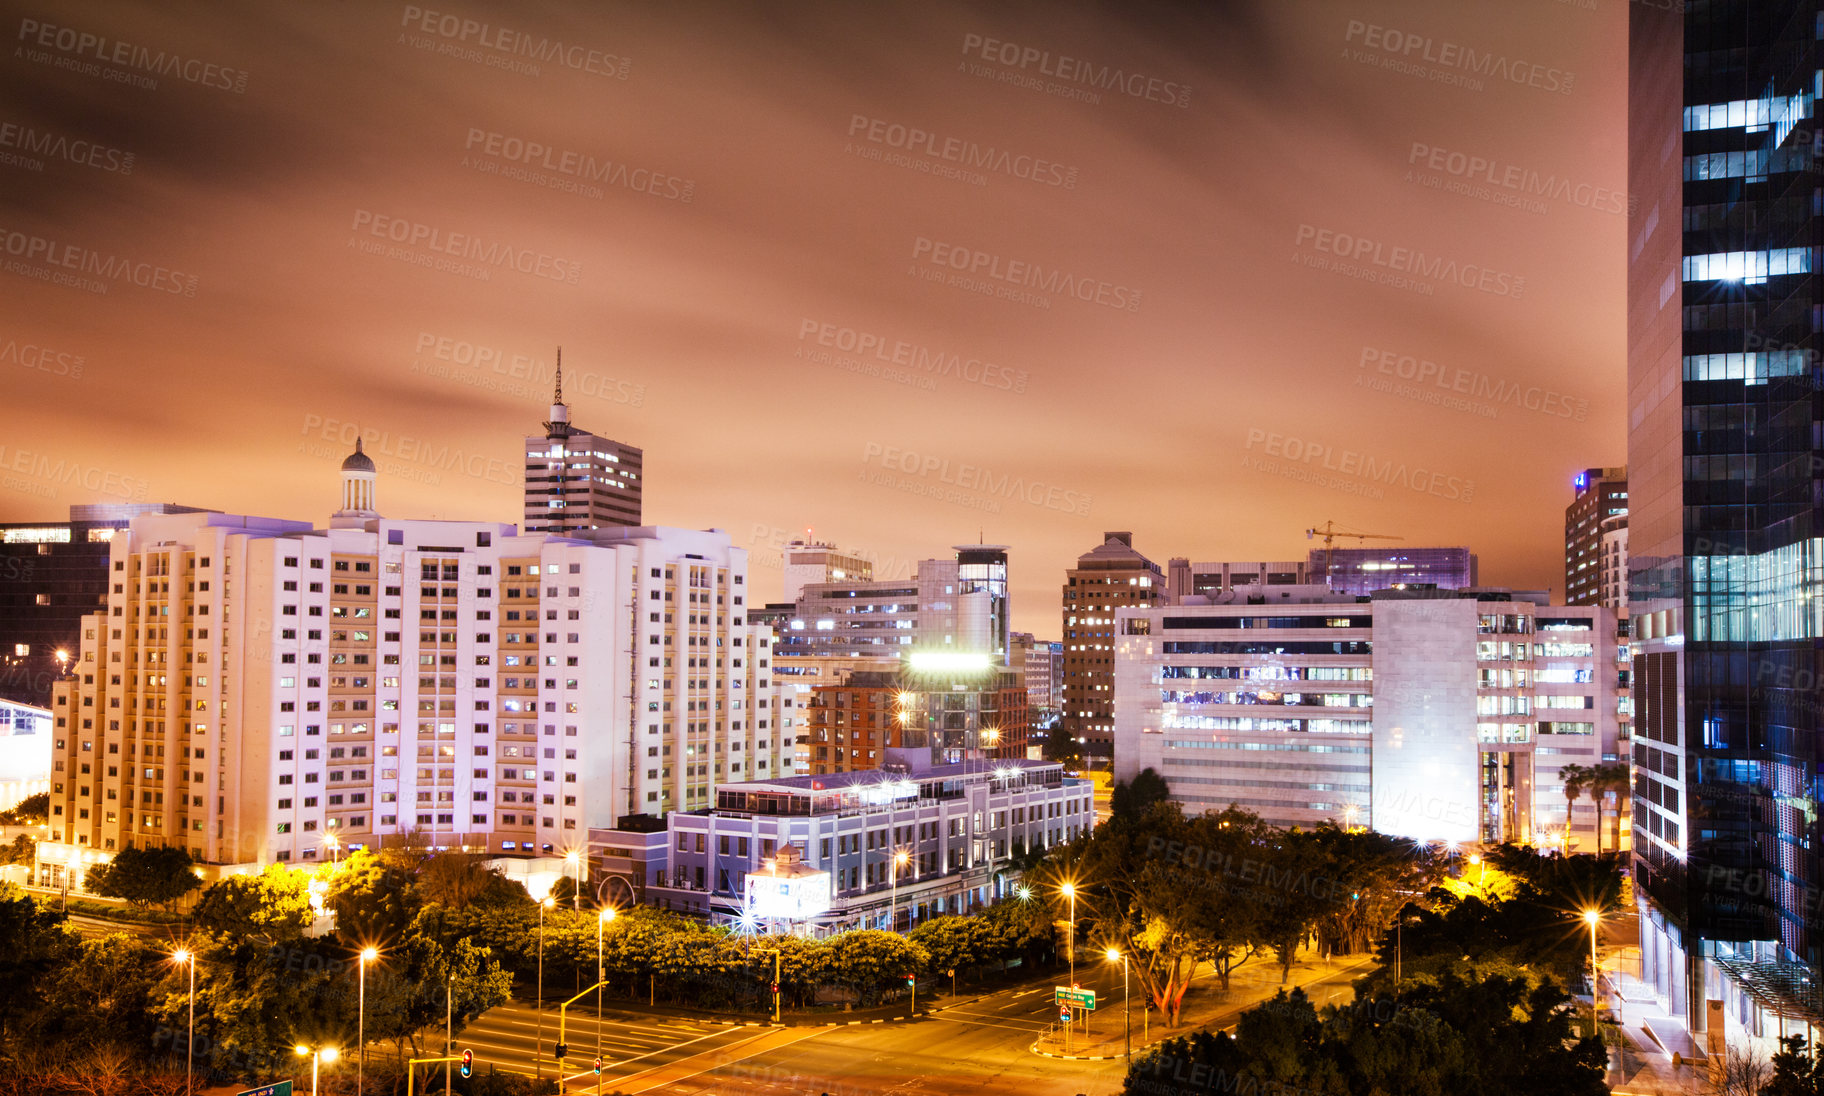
(812, 562)
(1437, 715)
(981, 572)
(1726, 543)
(1362, 571)
(1105, 578)
(254, 685)
(1184, 578)
(1597, 511)
(52, 574)
(577, 481)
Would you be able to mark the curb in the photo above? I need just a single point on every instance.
(1034, 1048)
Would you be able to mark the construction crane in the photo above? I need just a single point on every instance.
(1330, 533)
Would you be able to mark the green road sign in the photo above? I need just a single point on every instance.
(1080, 998)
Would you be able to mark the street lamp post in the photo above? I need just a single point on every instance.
(574, 860)
(335, 846)
(538, 1056)
(601, 974)
(188, 957)
(899, 860)
(1592, 919)
(317, 1056)
(1127, 1015)
(368, 955)
(1070, 946)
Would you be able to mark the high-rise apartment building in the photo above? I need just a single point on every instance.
(1726, 537)
(1595, 534)
(814, 563)
(254, 685)
(577, 481)
(1044, 661)
(1108, 577)
(1436, 715)
(1362, 571)
(52, 574)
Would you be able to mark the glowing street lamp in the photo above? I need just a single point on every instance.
(1069, 890)
(317, 1055)
(573, 859)
(900, 859)
(334, 844)
(1127, 1015)
(1592, 918)
(188, 958)
(367, 956)
(538, 1056)
(601, 975)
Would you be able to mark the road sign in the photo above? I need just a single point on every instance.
(280, 1088)
(1063, 1016)
(1080, 998)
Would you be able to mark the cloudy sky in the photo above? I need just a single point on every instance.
(909, 275)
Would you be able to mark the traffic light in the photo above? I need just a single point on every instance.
(598, 1067)
(468, 1063)
(775, 987)
(562, 1049)
(910, 980)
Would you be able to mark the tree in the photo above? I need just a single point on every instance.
(1576, 778)
(145, 876)
(1796, 1070)
(1137, 798)
(273, 905)
(23, 850)
(33, 810)
(563, 890)
(1611, 777)
(455, 879)
(869, 961)
(372, 899)
(38, 943)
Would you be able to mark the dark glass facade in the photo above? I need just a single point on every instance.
(1726, 428)
(1362, 571)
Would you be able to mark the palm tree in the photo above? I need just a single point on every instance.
(1615, 777)
(1576, 779)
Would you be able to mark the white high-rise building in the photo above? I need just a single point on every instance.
(1436, 715)
(255, 685)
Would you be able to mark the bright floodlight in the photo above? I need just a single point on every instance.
(303, 1051)
(1114, 956)
(1024, 892)
(941, 661)
(181, 955)
(549, 902)
(608, 914)
(329, 1054)
(1068, 889)
(570, 857)
(1590, 917)
(368, 955)
(901, 857)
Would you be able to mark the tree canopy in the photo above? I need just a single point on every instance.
(145, 876)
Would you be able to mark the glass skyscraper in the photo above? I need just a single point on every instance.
(1726, 427)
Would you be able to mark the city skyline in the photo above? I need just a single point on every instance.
(702, 316)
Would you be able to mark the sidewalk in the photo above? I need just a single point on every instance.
(1206, 1005)
(1650, 1037)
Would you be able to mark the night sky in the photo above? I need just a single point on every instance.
(911, 275)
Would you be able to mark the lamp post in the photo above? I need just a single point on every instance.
(317, 1056)
(188, 957)
(368, 955)
(1475, 858)
(899, 860)
(1592, 919)
(538, 1055)
(1069, 890)
(1127, 1015)
(573, 859)
(601, 919)
(335, 846)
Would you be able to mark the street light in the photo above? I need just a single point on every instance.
(335, 844)
(601, 919)
(900, 859)
(1592, 918)
(367, 956)
(1127, 1016)
(1475, 858)
(538, 1056)
(317, 1056)
(1069, 890)
(188, 957)
(572, 859)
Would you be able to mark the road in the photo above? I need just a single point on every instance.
(977, 1046)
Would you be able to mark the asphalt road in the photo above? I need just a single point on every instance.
(976, 1046)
